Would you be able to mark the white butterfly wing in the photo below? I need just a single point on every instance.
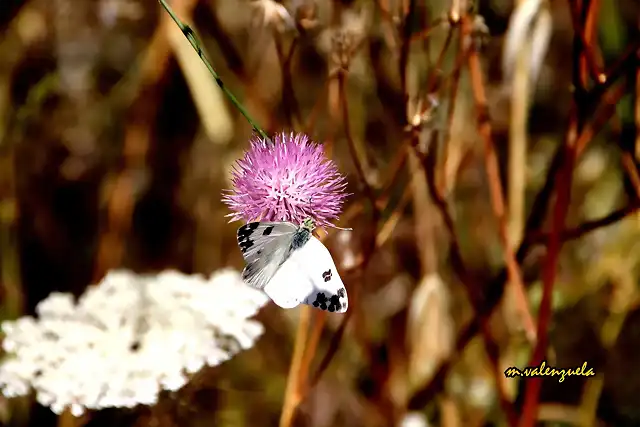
(327, 290)
(290, 286)
(309, 276)
(264, 246)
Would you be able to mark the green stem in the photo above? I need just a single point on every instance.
(190, 35)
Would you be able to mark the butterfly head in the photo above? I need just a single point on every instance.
(308, 224)
(302, 236)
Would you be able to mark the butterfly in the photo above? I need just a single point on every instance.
(291, 266)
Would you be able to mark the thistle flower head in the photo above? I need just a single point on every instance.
(287, 180)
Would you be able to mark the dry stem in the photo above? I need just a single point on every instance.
(495, 187)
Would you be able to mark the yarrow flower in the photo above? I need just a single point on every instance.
(287, 180)
(127, 338)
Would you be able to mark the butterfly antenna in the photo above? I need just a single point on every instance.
(339, 228)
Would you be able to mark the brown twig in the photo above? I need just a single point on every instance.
(576, 139)
(495, 289)
(495, 186)
(530, 411)
(313, 342)
(586, 34)
(367, 190)
(297, 372)
(289, 101)
(406, 45)
(629, 59)
(429, 166)
(317, 107)
(334, 345)
(389, 33)
(632, 172)
(636, 114)
(397, 166)
(443, 182)
(383, 198)
(311, 345)
(424, 34)
(387, 227)
(437, 68)
(355, 157)
(473, 291)
(587, 227)
(303, 351)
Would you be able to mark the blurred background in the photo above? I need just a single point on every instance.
(462, 127)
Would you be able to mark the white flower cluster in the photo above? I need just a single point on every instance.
(128, 338)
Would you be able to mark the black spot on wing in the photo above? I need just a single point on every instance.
(247, 230)
(342, 292)
(267, 230)
(244, 236)
(248, 270)
(334, 303)
(327, 275)
(245, 244)
(331, 304)
(321, 301)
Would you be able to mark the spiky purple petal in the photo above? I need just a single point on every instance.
(289, 180)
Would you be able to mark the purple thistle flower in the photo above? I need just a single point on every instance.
(289, 180)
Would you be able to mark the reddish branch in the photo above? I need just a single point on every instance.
(530, 411)
(590, 100)
(495, 186)
(574, 144)
(473, 290)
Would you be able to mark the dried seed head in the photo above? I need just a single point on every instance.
(306, 14)
(273, 14)
(479, 34)
(342, 42)
(529, 31)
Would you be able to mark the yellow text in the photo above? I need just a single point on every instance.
(543, 370)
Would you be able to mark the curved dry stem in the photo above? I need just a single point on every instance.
(495, 186)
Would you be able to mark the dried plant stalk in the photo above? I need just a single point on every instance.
(297, 372)
(495, 187)
(517, 172)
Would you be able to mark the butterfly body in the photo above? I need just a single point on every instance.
(291, 266)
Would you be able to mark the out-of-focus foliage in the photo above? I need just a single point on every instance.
(116, 145)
